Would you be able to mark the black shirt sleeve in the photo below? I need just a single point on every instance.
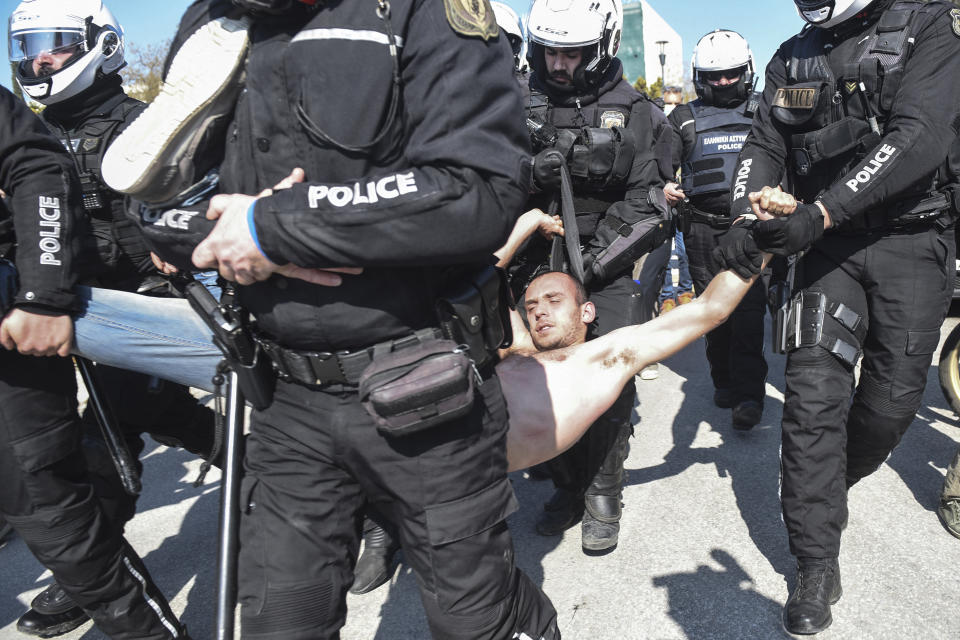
(922, 125)
(762, 160)
(38, 178)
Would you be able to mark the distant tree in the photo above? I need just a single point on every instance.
(652, 91)
(144, 71)
(17, 91)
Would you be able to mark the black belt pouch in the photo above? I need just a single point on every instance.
(418, 387)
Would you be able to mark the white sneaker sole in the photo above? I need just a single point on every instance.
(155, 140)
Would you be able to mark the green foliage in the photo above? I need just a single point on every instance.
(655, 90)
(143, 75)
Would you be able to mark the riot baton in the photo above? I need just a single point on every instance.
(120, 454)
(230, 510)
(571, 236)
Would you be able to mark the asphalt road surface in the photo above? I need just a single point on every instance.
(702, 554)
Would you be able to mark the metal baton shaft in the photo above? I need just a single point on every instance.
(230, 511)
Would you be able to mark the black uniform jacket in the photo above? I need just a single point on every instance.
(923, 120)
(442, 187)
(37, 176)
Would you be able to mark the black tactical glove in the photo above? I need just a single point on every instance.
(546, 169)
(790, 234)
(738, 251)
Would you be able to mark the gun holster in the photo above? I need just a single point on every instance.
(474, 311)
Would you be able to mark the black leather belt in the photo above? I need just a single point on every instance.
(319, 368)
(715, 221)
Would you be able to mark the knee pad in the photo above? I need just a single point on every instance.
(874, 428)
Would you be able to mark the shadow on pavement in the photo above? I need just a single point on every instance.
(710, 603)
(750, 459)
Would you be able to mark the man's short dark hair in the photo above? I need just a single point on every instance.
(581, 296)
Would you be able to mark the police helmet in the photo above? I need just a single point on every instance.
(83, 28)
(828, 13)
(509, 21)
(722, 51)
(593, 25)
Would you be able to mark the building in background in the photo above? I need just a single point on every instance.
(643, 30)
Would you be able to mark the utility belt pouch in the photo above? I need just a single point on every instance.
(475, 312)
(684, 215)
(8, 285)
(418, 387)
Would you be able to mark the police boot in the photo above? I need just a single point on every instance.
(563, 510)
(747, 414)
(376, 564)
(818, 586)
(52, 613)
(600, 529)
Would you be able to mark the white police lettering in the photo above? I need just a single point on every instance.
(723, 143)
(172, 218)
(740, 184)
(875, 164)
(49, 212)
(385, 188)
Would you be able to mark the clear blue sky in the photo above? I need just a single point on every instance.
(764, 23)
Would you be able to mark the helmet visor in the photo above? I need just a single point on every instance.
(815, 11)
(27, 45)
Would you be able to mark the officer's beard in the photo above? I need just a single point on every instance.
(555, 83)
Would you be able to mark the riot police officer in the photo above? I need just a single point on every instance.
(47, 494)
(710, 131)
(417, 164)
(577, 89)
(69, 54)
(858, 112)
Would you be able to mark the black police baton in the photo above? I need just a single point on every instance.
(571, 236)
(230, 510)
(120, 454)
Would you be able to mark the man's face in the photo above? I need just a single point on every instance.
(554, 317)
(561, 63)
(50, 62)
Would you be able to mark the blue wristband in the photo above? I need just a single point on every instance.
(253, 229)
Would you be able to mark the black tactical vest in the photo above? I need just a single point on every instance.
(611, 109)
(721, 131)
(837, 120)
(119, 243)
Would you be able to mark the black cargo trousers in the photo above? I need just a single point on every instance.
(899, 282)
(314, 458)
(48, 497)
(735, 348)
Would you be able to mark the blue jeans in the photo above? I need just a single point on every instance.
(161, 337)
(683, 265)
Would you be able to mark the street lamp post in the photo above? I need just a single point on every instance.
(663, 61)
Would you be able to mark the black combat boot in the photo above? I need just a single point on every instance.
(563, 510)
(818, 586)
(52, 613)
(378, 560)
(600, 529)
(747, 414)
